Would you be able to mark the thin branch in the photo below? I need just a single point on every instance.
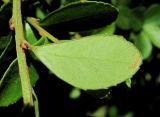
(36, 104)
(41, 31)
(23, 68)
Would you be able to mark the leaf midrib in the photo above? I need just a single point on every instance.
(91, 58)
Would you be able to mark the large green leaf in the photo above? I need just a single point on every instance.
(93, 62)
(10, 87)
(80, 16)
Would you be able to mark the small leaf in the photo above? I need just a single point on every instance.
(128, 82)
(10, 87)
(80, 16)
(153, 32)
(129, 114)
(40, 14)
(143, 43)
(93, 62)
(110, 29)
(152, 14)
(30, 37)
(43, 40)
(113, 111)
(75, 93)
(100, 112)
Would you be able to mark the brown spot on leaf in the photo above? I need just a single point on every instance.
(137, 62)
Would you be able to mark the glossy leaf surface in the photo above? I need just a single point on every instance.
(80, 16)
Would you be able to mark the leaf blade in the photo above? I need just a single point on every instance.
(10, 87)
(79, 16)
(29, 34)
(89, 63)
